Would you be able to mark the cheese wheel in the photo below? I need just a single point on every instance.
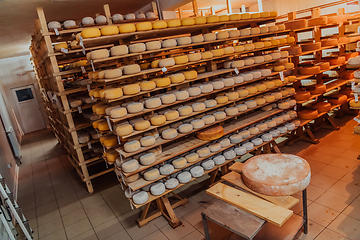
(206, 88)
(255, 31)
(90, 33)
(124, 129)
(277, 95)
(211, 133)
(267, 137)
(251, 89)
(221, 99)
(208, 165)
(169, 134)
(318, 89)
(219, 116)
(198, 123)
(217, 52)
(249, 61)
(131, 69)
(203, 152)
(127, 28)
(222, 35)
(249, 46)
(243, 93)
(192, 157)
(212, 19)
(197, 107)
(231, 111)
(258, 59)
(171, 115)
(245, 16)
(185, 128)
(254, 130)
(142, 125)
(99, 54)
(153, 45)
(308, 114)
(296, 24)
(147, 141)
(239, 48)
(147, 85)
(241, 107)
(185, 110)
(190, 75)
(118, 112)
(166, 169)
(183, 41)
(218, 84)
(131, 89)
(257, 141)
(237, 64)
(230, 154)
(181, 95)
(215, 147)
(228, 82)
(159, 24)
(208, 119)
(179, 162)
(255, 15)
(259, 45)
(119, 50)
(251, 104)
(117, 17)
(152, 175)
(109, 30)
(220, 159)
(194, 91)
(234, 33)
(238, 79)
(264, 14)
(208, 37)
(235, 138)
(225, 142)
(317, 21)
(248, 146)
(177, 78)
(168, 98)
(224, 18)
(171, 183)
(290, 126)
(132, 146)
(293, 113)
(200, 20)
(184, 177)
(289, 66)
(260, 101)
(158, 120)
(113, 93)
(135, 107)
(197, 38)
(283, 105)
(140, 197)
(240, 151)
(232, 96)
(173, 23)
(130, 166)
(167, 62)
(310, 46)
(181, 59)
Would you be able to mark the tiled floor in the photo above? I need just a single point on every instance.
(58, 206)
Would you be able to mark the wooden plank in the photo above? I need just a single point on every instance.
(236, 167)
(234, 219)
(283, 201)
(268, 211)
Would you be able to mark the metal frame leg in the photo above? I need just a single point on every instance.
(305, 212)
(206, 228)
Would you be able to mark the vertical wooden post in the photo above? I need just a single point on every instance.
(107, 14)
(212, 11)
(154, 8)
(180, 13)
(228, 5)
(195, 8)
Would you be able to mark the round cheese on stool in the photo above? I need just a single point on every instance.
(169, 134)
(140, 197)
(119, 50)
(168, 98)
(153, 103)
(208, 165)
(275, 133)
(203, 152)
(171, 115)
(157, 189)
(230, 154)
(197, 38)
(185, 110)
(167, 169)
(123, 130)
(147, 141)
(171, 183)
(215, 147)
(240, 151)
(130, 166)
(135, 107)
(208, 119)
(158, 120)
(181, 95)
(142, 125)
(218, 160)
(168, 43)
(179, 163)
(209, 37)
(185, 128)
(194, 57)
(197, 171)
(248, 146)
(184, 177)
(267, 137)
(167, 62)
(147, 159)
(192, 157)
(241, 107)
(257, 141)
(198, 123)
(231, 111)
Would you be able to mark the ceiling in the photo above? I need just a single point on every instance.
(17, 18)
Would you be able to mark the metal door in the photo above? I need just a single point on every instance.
(28, 107)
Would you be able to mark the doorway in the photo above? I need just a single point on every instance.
(28, 107)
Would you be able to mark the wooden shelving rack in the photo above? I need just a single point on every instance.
(305, 131)
(65, 127)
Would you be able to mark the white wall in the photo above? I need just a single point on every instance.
(9, 67)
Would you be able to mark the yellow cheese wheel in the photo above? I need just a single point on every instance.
(279, 68)
(181, 59)
(147, 85)
(177, 78)
(127, 28)
(224, 18)
(158, 120)
(113, 93)
(289, 65)
(273, 14)
(155, 64)
(123, 129)
(354, 104)
(171, 115)
(217, 52)
(118, 112)
(200, 20)
(190, 75)
(111, 155)
(264, 14)
(58, 46)
(131, 89)
(142, 125)
(90, 33)
(234, 17)
(255, 15)
(109, 141)
(206, 55)
(159, 24)
(212, 19)
(239, 48)
(95, 124)
(173, 23)
(143, 26)
(275, 42)
(187, 21)
(221, 99)
(245, 16)
(162, 82)
(109, 30)
(103, 126)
